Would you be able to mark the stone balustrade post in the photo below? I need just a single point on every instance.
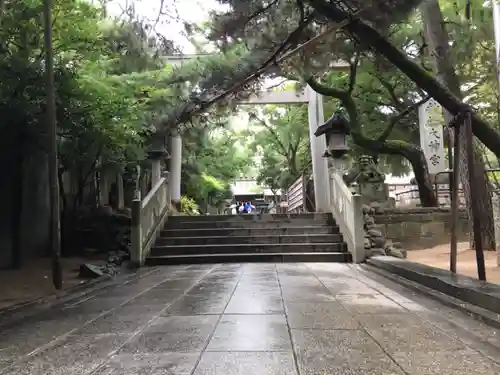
(175, 166)
(136, 234)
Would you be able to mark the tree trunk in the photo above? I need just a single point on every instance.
(373, 39)
(17, 198)
(438, 43)
(418, 163)
(55, 228)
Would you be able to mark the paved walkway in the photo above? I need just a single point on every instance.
(252, 319)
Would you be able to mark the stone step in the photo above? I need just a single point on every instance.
(249, 232)
(313, 216)
(243, 224)
(262, 239)
(248, 248)
(338, 257)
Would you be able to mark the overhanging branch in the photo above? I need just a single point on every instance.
(325, 90)
(353, 69)
(198, 105)
(373, 39)
(394, 120)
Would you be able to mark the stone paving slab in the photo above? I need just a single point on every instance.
(248, 319)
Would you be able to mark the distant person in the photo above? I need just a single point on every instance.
(246, 207)
(271, 208)
(250, 207)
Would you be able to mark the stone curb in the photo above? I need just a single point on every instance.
(477, 312)
(10, 314)
(467, 289)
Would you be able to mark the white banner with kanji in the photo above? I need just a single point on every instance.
(430, 118)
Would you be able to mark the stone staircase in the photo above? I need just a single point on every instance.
(310, 237)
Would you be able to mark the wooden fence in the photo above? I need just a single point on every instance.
(296, 196)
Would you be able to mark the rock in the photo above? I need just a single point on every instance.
(91, 271)
(397, 253)
(374, 251)
(378, 242)
(115, 260)
(376, 207)
(370, 226)
(397, 245)
(117, 257)
(367, 243)
(374, 233)
(366, 209)
(110, 269)
(369, 220)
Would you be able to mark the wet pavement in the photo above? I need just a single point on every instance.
(251, 319)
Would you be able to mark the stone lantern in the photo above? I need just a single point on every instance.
(336, 130)
(157, 152)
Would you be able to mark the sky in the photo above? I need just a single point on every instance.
(170, 26)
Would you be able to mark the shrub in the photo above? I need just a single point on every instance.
(189, 206)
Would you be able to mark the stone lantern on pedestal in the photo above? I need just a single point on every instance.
(336, 130)
(156, 154)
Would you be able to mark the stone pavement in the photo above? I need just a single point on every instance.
(251, 319)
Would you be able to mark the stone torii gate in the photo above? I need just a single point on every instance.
(315, 116)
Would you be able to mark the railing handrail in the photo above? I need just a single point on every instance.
(341, 184)
(347, 210)
(152, 192)
(148, 216)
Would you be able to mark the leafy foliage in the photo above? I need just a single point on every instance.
(212, 159)
(189, 206)
(281, 135)
(113, 84)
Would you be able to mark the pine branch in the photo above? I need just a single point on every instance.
(325, 90)
(394, 120)
(353, 69)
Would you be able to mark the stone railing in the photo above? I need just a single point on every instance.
(347, 210)
(148, 217)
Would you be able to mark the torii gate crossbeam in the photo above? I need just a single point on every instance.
(315, 117)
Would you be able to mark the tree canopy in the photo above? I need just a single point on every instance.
(280, 134)
(114, 85)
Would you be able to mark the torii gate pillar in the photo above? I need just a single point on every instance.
(175, 166)
(318, 147)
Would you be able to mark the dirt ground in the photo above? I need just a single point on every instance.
(34, 280)
(439, 257)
